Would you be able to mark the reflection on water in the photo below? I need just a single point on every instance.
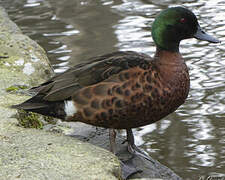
(190, 141)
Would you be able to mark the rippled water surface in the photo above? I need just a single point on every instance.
(190, 141)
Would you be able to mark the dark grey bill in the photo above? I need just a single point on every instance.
(201, 35)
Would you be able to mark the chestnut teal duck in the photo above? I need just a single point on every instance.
(125, 90)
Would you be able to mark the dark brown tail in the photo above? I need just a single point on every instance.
(38, 105)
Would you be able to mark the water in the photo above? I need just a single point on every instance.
(190, 141)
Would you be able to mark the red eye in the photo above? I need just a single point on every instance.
(182, 20)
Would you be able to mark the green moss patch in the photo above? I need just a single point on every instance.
(15, 88)
(29, 119)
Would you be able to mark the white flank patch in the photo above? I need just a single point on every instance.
(70, 108)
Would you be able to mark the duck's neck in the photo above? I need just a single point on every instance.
(167, 43)
(168, 57)
(171, 66)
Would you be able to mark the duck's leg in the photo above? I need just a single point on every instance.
(127, 167)
(133, 149)
(112, 140)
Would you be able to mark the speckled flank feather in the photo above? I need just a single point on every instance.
(134, 97)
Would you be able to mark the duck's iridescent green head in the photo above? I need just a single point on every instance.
(175, 24)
